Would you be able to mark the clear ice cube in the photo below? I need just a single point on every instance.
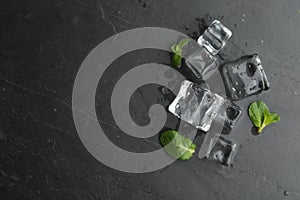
(200, 56)
(229, 115)
(196, 105)
(201, 62)
(222, 150)
(244, 77)
(215, 37)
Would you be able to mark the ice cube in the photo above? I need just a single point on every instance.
(202, 60)
(244, 77)
(196, 105)
(199, 60)
(215, 37)
(202, 64)
(229, 115)
(222, 150)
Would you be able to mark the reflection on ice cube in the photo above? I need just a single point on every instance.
(229, 115)
(196, 105)
(244, 77)
(200, 56)
(222, 150)
(202, 64)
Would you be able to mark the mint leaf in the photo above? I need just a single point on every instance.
(176, 60)
(177, 145)
(256, 112)
(261, 116)
(182, 43)
(177, 51)
(174, 48)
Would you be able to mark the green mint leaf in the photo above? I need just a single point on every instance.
(177, 145)
(173, 48)
(261, 116)
(183, 42)
(256, 112)
(177, 51)
(269, 118)
(176, 60)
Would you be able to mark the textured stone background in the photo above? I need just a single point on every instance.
(43, 44)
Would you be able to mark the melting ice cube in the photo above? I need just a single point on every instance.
(244, 77)
(199, 60)
(222, 150)
(200, 56)
(196, 105)
(229, 115)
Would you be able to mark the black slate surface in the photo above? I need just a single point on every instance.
(43, 44)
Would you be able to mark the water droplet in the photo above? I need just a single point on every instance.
(286, 193)
(251, 69)
(296, 93)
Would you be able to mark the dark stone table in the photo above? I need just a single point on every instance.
(43, 44)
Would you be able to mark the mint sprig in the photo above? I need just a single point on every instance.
(177, 145)
(177, 51)
(261, 116)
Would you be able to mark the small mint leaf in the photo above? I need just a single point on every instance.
(176, 60)
(261, 116)
(177, 145)
(177, 51)
(183, 42)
